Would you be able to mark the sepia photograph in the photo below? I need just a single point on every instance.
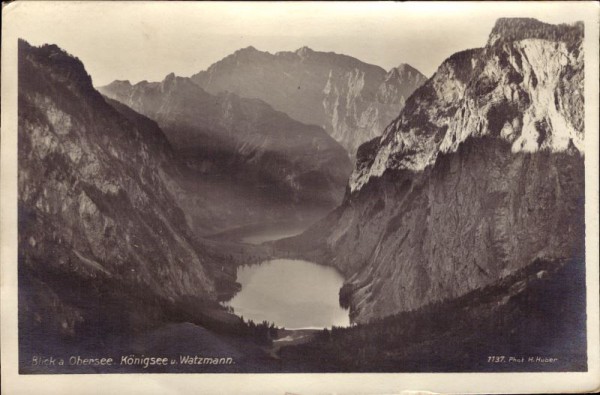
(300, 188)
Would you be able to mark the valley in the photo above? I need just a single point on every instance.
(308, 212)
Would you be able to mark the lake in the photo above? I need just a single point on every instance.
(294, 294)
(260, 233)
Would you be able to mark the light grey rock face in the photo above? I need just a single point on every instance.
(480, 174)
(243, 139)
(353, 101)
(527, 91)
(93, 207)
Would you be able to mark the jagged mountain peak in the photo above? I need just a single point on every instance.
(404, 68)
(406, 71)
(249, 52)
(49, 51)
(481, 174)
(64, 64)
(304, 51)
(171, 80)
(350, 99)
(460, 65)
(515, 29)
(248, 49)
(515, 91)
(92, 182)
(122, 82)
(243, 136)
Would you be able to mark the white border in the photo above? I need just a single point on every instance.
(14, 17)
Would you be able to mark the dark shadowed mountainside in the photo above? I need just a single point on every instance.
(104, 249)
(262, 154)
(531, 321)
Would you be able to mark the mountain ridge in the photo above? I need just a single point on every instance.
(105, 253)
(92, 205)
(468, 184)
(523, 132)
(244, 140)
(342, 94)
(462, 224)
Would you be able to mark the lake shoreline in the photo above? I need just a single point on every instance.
(290, 293)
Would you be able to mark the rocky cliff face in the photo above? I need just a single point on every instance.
(525, 87)
(480, 174)
(93, 206)
(243, 140)
(353, 101)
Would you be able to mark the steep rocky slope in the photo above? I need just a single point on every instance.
(353, 101)
(212, 201)
(101, 239)
(481, 173)
(241, 140)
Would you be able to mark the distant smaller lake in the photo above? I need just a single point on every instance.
(260, 233)
(264, 235)
(293, 294)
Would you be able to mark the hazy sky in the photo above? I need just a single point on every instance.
(147, 40)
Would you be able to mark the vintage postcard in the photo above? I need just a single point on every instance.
(303, 197)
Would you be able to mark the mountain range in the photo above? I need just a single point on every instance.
(481, 174)
(240, 143)
(352, 100)
(242, 123)
(94, 208)
(462, 213)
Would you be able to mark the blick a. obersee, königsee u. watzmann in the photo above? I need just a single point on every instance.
(306, 212)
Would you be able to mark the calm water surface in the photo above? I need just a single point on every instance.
(272, 234)
(260, 233)
(291, 293)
